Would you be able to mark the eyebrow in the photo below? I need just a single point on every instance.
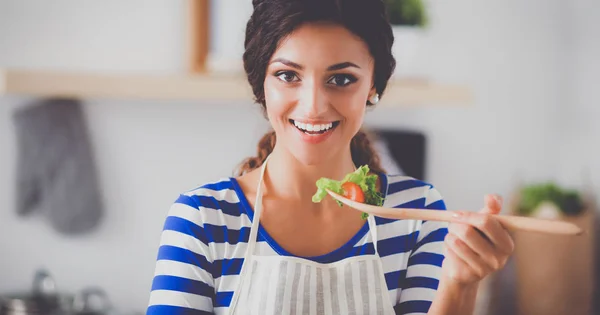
(337, 66)
(288, 63)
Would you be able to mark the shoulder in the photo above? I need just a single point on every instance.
(213, 194)
(215, 203)
(406, 191)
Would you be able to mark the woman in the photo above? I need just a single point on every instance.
(257, 244)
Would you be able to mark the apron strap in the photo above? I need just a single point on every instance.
(257, 212)
(246, 266)
(373, 230)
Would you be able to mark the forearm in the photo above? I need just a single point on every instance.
(454, 299)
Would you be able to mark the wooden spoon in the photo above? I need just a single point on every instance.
(512, 223)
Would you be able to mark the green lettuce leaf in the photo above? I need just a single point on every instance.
(326, 183)
(360, 177)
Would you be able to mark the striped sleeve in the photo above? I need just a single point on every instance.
(183, 279)
(424, 264)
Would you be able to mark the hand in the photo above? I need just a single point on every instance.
(478, 247)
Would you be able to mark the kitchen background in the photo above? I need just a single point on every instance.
(532, 68)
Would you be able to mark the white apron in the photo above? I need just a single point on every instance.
(284, 285)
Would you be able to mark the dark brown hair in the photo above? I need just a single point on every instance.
(273, 20)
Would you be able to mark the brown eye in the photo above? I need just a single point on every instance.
(342, 80)
(287, 76)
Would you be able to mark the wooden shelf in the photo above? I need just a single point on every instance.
(192, 87)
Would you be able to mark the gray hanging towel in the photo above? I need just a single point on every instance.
(56, 173)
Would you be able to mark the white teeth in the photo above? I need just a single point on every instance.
(311, 127)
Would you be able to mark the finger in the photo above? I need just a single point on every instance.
(478, 243)
(491, 228)
(467, 255)
(493, 204)
(458, 266)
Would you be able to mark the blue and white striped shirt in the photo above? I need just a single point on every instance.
(206, 232)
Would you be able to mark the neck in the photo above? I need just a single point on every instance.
(289, 178)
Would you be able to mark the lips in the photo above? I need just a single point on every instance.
(321, 130)
(314, 128)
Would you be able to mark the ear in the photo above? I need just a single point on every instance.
(372, 92)
(373, 97)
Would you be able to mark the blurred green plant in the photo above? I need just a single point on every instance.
(568, 201)
(406, 12)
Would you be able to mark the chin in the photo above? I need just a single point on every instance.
(310, 150)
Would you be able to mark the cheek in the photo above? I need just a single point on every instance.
(351, 105)
(356, 120)
(277, 100)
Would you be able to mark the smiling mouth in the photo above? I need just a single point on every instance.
(314, 129)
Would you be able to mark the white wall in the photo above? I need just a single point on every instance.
(509, 52)
(579, 150)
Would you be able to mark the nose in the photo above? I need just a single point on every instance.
(313, 99)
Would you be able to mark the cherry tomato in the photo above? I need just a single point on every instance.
(352, 191)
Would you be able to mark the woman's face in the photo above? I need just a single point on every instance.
(316, 89)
